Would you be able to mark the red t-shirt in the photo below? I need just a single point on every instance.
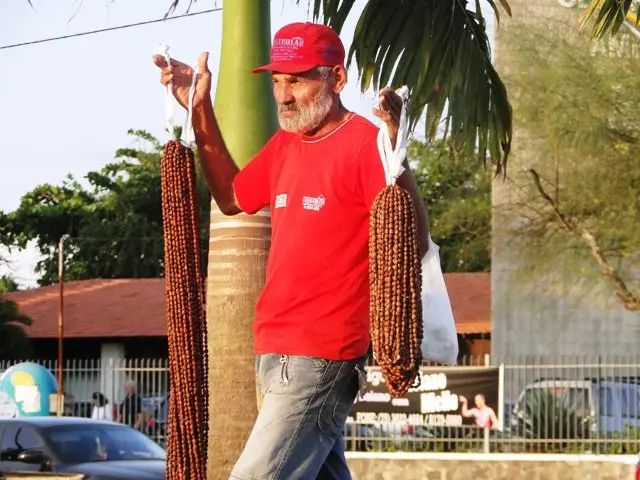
(315, 301)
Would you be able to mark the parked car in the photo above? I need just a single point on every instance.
(597, 406)
(95, 448)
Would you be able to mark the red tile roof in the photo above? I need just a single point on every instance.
(135, 307)
(97, 308)
(470, 295)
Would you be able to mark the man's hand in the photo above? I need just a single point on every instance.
(181, 75)
(389, 112)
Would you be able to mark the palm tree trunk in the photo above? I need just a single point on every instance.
(239, 245)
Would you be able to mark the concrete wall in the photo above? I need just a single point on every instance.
(530, 317)
(41, 476)
(489, 467)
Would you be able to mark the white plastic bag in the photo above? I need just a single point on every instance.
(439, 338)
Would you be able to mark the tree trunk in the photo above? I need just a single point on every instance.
(239, 245)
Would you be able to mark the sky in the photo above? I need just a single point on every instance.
(67, 105)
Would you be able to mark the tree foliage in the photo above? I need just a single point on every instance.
(458, 197)
(7, 284)
(607, 16)
(14, 343)
(441, 51)
(111, 228)
(577, 203)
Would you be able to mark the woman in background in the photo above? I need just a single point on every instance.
(101, 408)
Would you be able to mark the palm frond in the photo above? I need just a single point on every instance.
(611, 15)
(440, 50)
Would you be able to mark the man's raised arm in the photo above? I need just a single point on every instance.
(218, 167)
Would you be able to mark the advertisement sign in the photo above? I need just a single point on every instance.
(446, 397)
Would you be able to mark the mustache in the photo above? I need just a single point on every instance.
(288, 107)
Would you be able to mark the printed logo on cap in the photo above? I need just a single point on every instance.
(286, 49)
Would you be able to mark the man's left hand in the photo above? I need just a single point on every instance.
(389, 112)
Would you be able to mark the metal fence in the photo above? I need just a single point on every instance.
(559, 405)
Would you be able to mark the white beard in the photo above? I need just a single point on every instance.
(309, 117)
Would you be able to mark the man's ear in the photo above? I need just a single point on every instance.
(339, 78)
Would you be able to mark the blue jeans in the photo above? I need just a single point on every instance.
(298, 432)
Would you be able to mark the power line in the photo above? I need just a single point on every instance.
(102, 30)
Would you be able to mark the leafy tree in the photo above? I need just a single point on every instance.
(111, 228)
(577, 202)
(14, 343)
(458, 196)
(7, 284)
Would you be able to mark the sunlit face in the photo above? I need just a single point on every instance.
(304, 100)
(479, 401)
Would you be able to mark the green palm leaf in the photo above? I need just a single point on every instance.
(440, 50)
(611, 15)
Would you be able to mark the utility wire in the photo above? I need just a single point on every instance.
(102, 30)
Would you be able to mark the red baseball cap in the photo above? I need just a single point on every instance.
(299, 47)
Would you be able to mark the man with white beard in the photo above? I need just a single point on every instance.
(319, 174)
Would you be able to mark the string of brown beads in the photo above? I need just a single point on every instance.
(395, 276)
(185, 317)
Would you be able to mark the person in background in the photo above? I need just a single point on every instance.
(130, 412)
(483, 414)
(101, 408)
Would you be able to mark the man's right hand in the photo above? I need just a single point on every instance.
(181, 75)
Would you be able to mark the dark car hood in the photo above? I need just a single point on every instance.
(122, 470)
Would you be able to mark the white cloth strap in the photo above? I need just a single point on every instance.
(391, 157)
(188, 136)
